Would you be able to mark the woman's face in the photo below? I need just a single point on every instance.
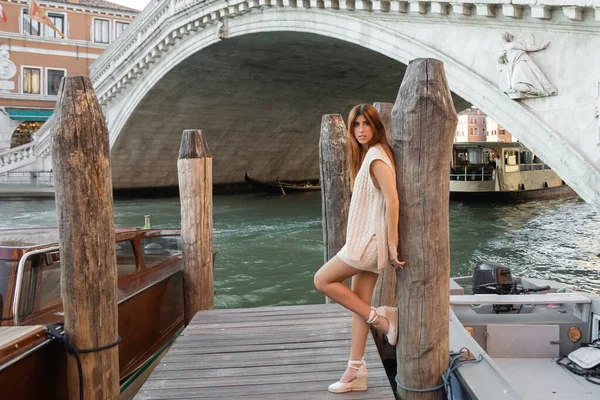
(362, 130)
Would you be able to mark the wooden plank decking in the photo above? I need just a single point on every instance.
(264, 353)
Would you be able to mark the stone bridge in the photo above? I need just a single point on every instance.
(257, 75)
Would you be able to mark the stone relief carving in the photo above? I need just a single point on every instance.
(8, 69)
(520, 77)
(222, 31)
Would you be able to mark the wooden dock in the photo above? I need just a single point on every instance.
(291, 352)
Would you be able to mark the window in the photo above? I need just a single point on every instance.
(30, 26)
(32, 80)
(50, 286)
(119, 28)
(125, 258)
(54, 76)
(160, 248)
(101, 31)
(475, 132)
(501, 132)
(59, 21)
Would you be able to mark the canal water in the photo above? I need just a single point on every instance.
(271, 246)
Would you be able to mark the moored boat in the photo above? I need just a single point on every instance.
(150, 307)
(527, 338)
(283, 187)
(502, 171)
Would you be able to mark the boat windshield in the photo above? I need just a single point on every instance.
(6, 276)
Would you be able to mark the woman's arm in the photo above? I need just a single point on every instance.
(529, 47)
(383, 178)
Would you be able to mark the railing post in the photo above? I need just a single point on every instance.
(424, 123)
(194, 168)
(84, 207)
(335, 184)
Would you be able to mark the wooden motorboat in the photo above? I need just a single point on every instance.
(502, 171)
(529, 338)
(283, 187)
(150, 310)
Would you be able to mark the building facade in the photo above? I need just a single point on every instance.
(34, 58)
(475, 126)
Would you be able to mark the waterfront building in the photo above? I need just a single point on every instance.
(496, 133)
(475, 126)
(34, 57)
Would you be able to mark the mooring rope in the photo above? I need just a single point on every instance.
(453, 365)
(57, 332)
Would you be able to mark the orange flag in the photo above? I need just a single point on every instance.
(37, 13)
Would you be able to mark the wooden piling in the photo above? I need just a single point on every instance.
(335, 184)
(385, 112)
(385, 288)
(84, 207)
(194, 168)
(424, 123)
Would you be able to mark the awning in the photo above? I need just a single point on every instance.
(29, 114)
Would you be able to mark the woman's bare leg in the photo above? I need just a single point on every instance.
(328, 280)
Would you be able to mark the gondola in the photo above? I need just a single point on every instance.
(283, 187)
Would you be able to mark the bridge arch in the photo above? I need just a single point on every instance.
(380, 38)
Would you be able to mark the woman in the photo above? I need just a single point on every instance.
(371, 241)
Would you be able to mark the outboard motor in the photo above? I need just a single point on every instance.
(492, 278)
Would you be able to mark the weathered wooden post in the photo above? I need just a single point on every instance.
(195, 192)
(424, 123)
(385, 288)
(84, 207)
(335, 184)
(385, 111)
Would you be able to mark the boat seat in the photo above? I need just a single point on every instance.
(549, 298)
(581, 303)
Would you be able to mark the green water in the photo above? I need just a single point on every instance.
(271, 246)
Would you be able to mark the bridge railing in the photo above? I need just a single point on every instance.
(151, 33)
(17, 157)
(150, 17)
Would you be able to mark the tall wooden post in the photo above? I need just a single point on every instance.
(424, 123)
(84, 207)
(335, 184)
(195, 192)
(385, 112)
(385, 288)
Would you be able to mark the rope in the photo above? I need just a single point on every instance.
(590, 375)
(57, 332)
(453, 365)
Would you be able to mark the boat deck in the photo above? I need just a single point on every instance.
(263, 353)
(15, 340)
(542, 378)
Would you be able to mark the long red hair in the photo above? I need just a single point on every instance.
(356, 153)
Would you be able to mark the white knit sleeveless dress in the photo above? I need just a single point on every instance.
(366, 245)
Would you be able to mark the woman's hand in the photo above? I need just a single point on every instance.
(393, 250)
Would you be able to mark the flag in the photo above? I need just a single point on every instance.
(3, 14)
(38, 14)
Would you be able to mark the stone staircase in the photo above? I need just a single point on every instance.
(30, 157)
(17, 157)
